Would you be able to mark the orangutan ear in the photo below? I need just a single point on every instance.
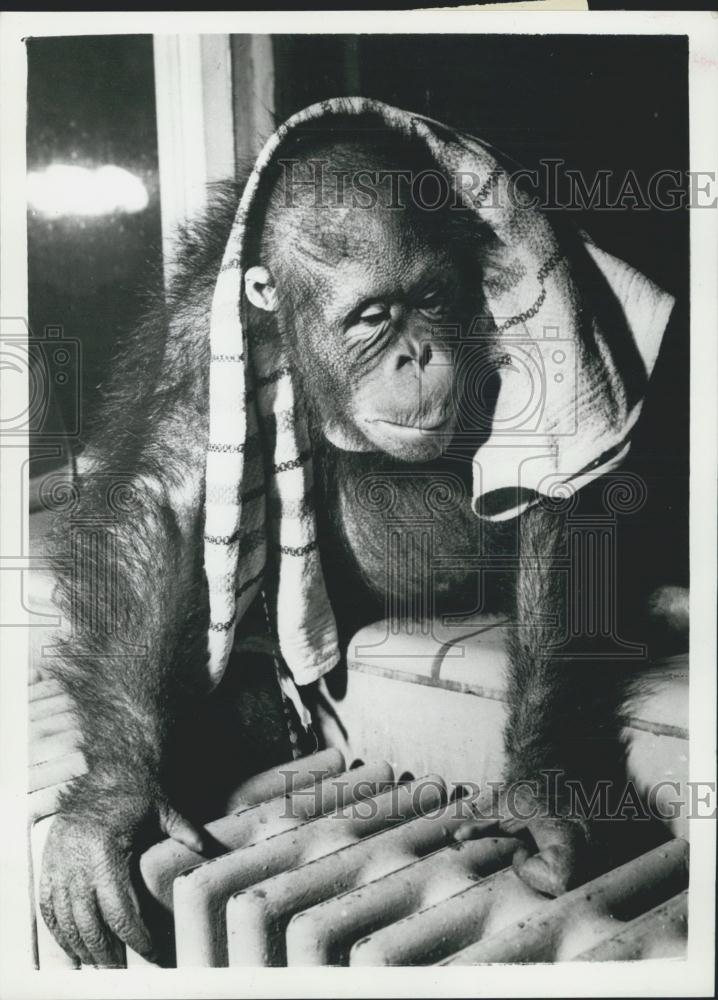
(260, 289)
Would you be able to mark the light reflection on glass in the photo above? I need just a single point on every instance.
(62, 189)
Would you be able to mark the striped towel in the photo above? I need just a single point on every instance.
(588, 373)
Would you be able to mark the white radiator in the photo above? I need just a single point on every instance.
(327, 866)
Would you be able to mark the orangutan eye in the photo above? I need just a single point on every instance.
(433, 304)
(374, 314)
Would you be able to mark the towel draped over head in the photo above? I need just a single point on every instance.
(581, 329)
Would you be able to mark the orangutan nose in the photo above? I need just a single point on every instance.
(419, 354)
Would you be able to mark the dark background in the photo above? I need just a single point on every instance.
(613, 102)
(91, 102)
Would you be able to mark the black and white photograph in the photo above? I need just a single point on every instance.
(359, 469)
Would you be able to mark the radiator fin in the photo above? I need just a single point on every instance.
(319, 865)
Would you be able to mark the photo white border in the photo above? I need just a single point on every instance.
(690, 977)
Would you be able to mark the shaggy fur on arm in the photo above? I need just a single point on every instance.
(134, 602)
(565, 714)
